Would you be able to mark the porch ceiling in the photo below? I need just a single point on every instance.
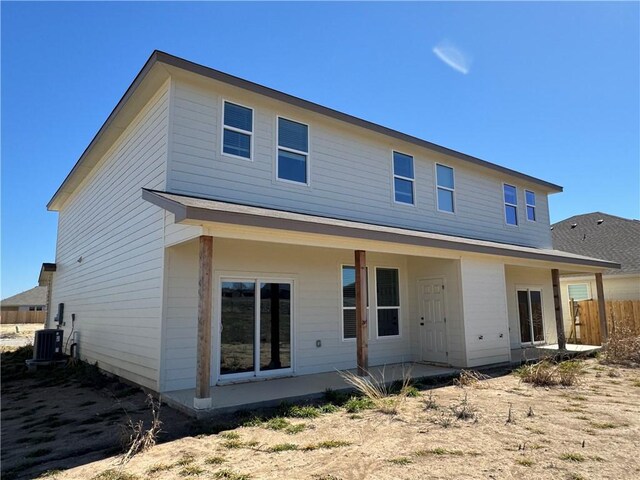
(188, 209)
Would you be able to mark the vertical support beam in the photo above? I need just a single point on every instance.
(362, 327)
(557, 303)
(203, 374)
(602, 309)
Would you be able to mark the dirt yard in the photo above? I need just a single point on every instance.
(17, 335)
(587, 431)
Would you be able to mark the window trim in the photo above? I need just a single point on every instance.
(252, 276)
(527, 205)
(239, 130)
(399, 307)
(505, 204)
(452, 190)
(342, 307)
(402, 177)
(529, 289)
(307, 154)
(589, 296)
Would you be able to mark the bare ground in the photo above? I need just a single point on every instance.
(587, 431)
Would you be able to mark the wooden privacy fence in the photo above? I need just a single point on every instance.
(25, 316)
(619, 313)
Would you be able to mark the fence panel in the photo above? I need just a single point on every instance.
(619, 312)
(24, 316)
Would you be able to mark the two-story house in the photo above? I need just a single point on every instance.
(216, 231)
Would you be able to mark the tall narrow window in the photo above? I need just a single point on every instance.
(293, 151)
(388, 302)
(530, 200)
(237, 131)
(349, 301)
(510, 204)
(446, 187)
(403, 177)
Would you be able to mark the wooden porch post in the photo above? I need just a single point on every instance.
(602, 309)
(203, 374)
(557, 302)
(362, 328)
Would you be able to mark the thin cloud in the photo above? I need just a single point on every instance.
(453, 56)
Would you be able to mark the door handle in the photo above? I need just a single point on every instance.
(422, 321)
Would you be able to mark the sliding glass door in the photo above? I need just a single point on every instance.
(255, 337)
(530, 316)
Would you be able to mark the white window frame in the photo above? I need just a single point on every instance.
(239, 130)
(589, 297)
(401, 177)
(529, 289)
(452, 190)
(399, 307)
(505, 204)
(307, 155)
(527, 205)
(343, 308)
(221, 379)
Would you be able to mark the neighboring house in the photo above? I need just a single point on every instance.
(602, 236)
(26, 307)
(212, 231)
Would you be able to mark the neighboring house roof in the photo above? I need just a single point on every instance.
(35, 296)
(603, 236)
(186, 207)
(85, 163)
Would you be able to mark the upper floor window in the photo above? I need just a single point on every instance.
(293, 151)
(388, 302)
(510, 204)
(446, 188)
(349, 301)
(237, 130)
(530, 200)
(403, 177)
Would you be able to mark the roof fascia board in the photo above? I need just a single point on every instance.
(199, 214)
(146, 83)
(214, 74)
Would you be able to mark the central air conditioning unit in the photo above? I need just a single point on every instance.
(47, 345)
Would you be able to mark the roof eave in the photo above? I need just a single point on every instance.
(296, 223)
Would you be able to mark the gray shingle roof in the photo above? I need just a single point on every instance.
(35, 296)
(615, 238)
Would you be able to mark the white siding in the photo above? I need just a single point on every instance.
(450, 271)
(615, 288)
(350, 171)
(115, 291)
(317, 310)
(485, 311)
(524, 277)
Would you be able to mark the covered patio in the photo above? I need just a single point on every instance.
(273, 391)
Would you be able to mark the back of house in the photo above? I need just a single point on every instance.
(213, 230)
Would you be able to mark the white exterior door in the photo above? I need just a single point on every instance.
(433, 321)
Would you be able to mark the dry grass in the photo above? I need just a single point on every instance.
(549, 374)
(622, 347)
(135, 438)
(381, 395)
(549, 443)
(470, 378)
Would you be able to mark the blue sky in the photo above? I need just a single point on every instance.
(550, 89)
